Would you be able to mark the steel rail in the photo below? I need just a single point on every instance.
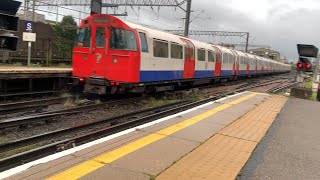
(27, 105)
(14, 122)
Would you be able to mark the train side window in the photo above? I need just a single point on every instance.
(201, 55)
(84, 37)
(211, 56)
(176, 51)
(100, 36)
(225, 59)
(231, 59)
(160, 49)
(144, 43)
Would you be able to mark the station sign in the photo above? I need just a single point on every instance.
(29, 37)
(29, 26)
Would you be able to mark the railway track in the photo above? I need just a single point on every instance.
(5, 97)
(37, 104)
(41, 117)
(74, 136)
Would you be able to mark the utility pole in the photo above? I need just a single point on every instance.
(34, 11)
(315, 85)
(187, 22)
(247, 42)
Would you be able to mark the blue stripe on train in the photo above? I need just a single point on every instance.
(242, 72)
(203, 74)
(226, 72)
(149, 76)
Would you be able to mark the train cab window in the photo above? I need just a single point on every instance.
(84, 37)
(201, 55)
(211, 56)
(176, 51)
(144, 43)
(160, 49)
(121, 39)
(100, 36)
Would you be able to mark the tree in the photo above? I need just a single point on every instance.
(65, 33)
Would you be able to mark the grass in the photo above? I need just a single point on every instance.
(66, 95)
(17, 64)
(309, 85)
(68, 103)
(75, 102)
(22, 149)
(98, 101)
(36, 65)
(3, 140)
(314, 96)
(63, 65)
(153, 102)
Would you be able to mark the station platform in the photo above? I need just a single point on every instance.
(20, 72)
(212, 141)
(291, 148)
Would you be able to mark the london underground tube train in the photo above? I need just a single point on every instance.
(112, 56)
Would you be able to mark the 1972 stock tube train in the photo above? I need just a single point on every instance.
(113, 56)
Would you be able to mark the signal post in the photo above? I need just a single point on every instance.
(310, 51)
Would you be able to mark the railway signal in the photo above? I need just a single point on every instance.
(8, 24)
(304, 64)
(310, 51)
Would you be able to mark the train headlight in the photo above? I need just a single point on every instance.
(114, 60)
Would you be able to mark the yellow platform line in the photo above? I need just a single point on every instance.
(89, 166)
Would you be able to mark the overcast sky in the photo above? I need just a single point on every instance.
(278, 23)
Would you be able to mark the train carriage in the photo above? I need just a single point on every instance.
(252, 64)
(206, 59)
(243, 64)
(113, 56)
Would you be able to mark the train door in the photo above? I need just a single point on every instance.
(248, 64)
(98, 51)
(189, 59)
(236, 63)
(89, 54)
(256, 66)
(218, 65)
(233, 61)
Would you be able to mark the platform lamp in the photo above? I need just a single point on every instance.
(310, 51)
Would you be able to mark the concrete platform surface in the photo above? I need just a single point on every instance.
(223, 156)
(291, 149)
(23, 69)
(147, 151)
(20, 72)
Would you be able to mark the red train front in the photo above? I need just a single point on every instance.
(95, 59)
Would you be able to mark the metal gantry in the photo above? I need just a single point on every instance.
(215, 33)
(108, 3)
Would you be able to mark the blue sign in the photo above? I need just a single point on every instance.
(29, 26)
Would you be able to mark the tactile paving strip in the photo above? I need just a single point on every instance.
(224, 155)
